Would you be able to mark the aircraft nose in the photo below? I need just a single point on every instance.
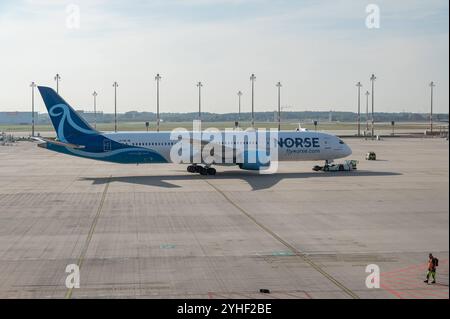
(348, 151)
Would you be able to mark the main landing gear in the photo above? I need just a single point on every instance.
(201, 170)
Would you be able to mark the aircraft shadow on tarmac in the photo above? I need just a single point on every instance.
(255, 180)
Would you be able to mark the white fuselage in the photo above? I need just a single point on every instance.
(292, 145)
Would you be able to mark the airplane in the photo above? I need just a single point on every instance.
(76, 137)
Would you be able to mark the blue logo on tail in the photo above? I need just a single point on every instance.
(69, 126)
(73, 129)
(66, 122)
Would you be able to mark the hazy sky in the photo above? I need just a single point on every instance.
(318, 49)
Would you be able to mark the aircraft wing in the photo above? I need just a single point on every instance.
(203, 143)
(214, 145)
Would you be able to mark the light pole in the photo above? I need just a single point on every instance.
(253, 79)
(199, 85)
(372, 79)
(359, 85)
(95, 109)
(32, 85)
(367, 111)
(115, 85)
(432, 85)
(57, 79)
(278, 85)
(239, 93)
(157, 79)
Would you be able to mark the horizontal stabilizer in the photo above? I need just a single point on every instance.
(54, 142)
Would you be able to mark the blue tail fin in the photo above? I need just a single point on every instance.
(69, 126)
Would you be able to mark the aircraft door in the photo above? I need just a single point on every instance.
(106, 146)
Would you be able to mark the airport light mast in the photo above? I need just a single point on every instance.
(199, 85)
(115, 85)
(359, 86)
(253, 79)
(367, 111)
(239, 93)
(157, 79)
(432, 85)
(372, 79)
(57, 79)
(278, 85)
(95, 109)
(32, 85)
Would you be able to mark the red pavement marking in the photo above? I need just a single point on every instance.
(402, 270)
(412, 294)
(419, 294)
(408, 283)
(308, 295)
(394, 292)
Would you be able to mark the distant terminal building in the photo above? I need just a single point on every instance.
(91, 116)
(18, 118)
(24, 118)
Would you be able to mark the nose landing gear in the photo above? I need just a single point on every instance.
(201, 170)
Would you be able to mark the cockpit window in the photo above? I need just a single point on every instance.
(341, 142)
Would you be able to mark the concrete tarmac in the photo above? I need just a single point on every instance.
(156, 231)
